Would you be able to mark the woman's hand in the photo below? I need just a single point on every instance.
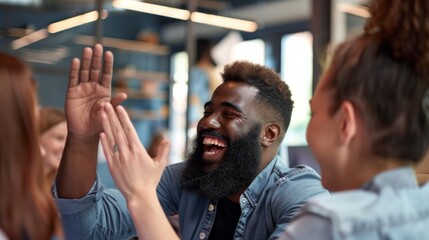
(134, 171)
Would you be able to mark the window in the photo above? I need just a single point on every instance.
(257, 55)
(297, 71)
(179, 92)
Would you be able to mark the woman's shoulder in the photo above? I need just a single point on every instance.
(359, 211)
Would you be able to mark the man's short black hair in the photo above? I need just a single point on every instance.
(273, 93)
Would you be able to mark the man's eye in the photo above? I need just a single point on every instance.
(207, 113)
(229, 114)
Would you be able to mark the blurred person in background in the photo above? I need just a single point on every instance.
(205, 78)
(53, 134)
(27, 209)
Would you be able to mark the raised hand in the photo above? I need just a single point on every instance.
(89, 89)
(134, 171)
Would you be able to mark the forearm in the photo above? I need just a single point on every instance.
(77, 171)
(149, 219)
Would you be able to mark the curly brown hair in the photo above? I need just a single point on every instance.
(384, 73)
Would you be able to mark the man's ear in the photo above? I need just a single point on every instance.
(270, 134)
(348, 124)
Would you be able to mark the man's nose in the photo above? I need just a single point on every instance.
(210, 122)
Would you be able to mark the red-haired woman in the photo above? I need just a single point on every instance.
(27, 209)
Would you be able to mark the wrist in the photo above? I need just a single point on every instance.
(146, 200)
(82, 138)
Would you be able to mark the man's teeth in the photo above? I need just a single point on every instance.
(213, 141)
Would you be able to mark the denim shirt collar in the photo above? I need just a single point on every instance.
(398, 178)
(256, 187)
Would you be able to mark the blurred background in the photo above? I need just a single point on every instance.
(155, 42)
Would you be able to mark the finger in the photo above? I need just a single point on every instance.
(108, 132)
(95, 70)
(107, 150)
(74, 72)
(85, 65)
(162, 152)
(127, 126)
(106, 78)
(116, 128)
(112, 162)
(118, 99)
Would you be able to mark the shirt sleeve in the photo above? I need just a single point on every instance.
(169, 190)
(101, 214)
(308, 227)
(292, 195)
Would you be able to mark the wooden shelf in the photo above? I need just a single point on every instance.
(148, 114)
(136, 94)
(124, 44)
(140, 75)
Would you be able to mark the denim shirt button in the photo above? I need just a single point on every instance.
(202, 235)
(244, 200)
(211, 207)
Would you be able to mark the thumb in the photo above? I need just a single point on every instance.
(118, 99)
(163, 152)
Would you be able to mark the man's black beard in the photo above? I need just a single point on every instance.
(237, 170)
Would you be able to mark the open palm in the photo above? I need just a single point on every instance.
(89, 88)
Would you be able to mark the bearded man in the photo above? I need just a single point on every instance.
(233, 186)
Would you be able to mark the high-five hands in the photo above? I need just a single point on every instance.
(90, 114)
(134, 171)
(89, 89)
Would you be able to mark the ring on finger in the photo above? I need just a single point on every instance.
(115, 148)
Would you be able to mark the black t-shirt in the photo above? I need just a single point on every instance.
(227, 215)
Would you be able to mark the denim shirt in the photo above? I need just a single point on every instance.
(267, 205)
(390, 206)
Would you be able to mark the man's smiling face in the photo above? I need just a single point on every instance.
(229, 115)
(227, 150)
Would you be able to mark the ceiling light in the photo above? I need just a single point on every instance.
(57, 27)
(30, 38)
(226, 22)
(75, 21)
(354, 9)
(153, 9)
(210, 19)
